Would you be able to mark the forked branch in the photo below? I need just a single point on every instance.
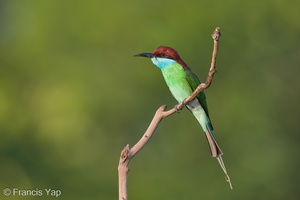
(128, 153)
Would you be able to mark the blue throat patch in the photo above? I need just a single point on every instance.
(162, 62)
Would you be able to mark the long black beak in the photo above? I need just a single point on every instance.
(148, 55)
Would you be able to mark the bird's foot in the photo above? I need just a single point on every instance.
(176, 108)
(179, 106)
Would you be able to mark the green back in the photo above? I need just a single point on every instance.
(193, 80)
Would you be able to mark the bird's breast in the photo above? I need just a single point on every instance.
(175, 78)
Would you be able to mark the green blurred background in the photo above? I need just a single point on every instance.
(72, 96)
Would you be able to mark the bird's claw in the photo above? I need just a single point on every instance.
(175, 107)
(178, 105)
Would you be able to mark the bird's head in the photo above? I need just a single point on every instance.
(162, 56)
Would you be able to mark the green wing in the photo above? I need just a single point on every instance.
(193, 80)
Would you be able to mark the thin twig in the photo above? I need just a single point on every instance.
(128, 153)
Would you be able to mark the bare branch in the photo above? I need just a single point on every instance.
(127, 153)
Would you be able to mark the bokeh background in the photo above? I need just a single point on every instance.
(72, 96)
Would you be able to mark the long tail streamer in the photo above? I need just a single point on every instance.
(227, 178)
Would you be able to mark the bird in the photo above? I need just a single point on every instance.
(182, 82)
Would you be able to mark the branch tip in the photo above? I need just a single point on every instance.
(216, 34)
(163, 108)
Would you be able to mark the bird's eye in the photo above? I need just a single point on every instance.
(163, 55)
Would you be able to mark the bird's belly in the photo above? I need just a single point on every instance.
(180, 91)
